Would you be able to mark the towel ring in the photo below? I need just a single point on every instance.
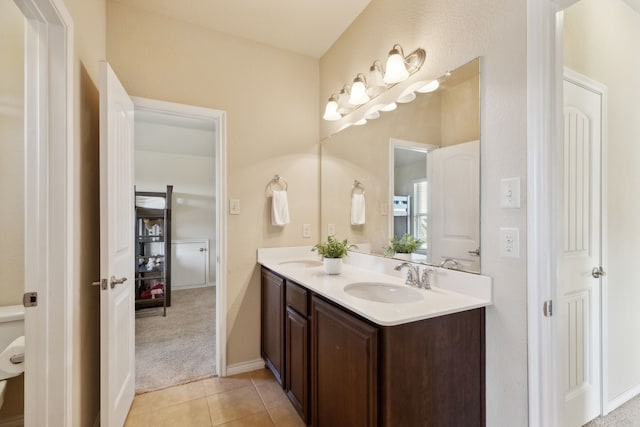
(277, 179)
(357, 185)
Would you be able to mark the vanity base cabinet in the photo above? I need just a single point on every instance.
(297, 356)
(344, 368)
(272, 323)
(432, 371)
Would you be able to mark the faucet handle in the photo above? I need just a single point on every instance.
(425, 282)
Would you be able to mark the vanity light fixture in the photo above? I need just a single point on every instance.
(400, 67)
(359, 91)
(331, 110)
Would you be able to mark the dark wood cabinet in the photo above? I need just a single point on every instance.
(344, 368)
(272, 325)
(339, 369)
(297, 349)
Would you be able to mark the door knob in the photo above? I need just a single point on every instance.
(598, 272)
(115, 281)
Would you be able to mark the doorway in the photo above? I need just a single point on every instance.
(174, 146)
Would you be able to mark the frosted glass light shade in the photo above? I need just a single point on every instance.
(358, 92)
(376, 80)
(331, 110)
(344, 107)
(396, 67)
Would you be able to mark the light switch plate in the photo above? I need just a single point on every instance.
(331, 229)
(306, 230)
(510, 193)
(234, 207)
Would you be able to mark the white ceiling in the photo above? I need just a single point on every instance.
(308, 27)
(635, 4)
(167, 133)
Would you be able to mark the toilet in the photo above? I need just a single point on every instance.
(11, 335)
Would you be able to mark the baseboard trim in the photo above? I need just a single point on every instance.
(182, 287)
(17, 421)
(623, 398)
(241, 368)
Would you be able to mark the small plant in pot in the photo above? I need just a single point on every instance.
(406, 245)
(332, 253)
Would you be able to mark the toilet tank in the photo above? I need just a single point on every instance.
(11, 324)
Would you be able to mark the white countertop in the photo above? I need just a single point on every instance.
(452, 291)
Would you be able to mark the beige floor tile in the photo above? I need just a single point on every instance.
(220, 385)
(137, 418)
(261, 376)
(194, 413)
(261, 419)
(271, 393)
(285, 416)
(235, 404)
(170, 396)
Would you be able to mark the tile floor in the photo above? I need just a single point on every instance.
(253, 399)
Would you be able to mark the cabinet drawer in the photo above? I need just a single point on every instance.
(297, 298)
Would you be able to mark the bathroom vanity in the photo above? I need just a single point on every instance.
(344, 360)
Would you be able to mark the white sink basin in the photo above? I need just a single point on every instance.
(301, 263)
(383, 292)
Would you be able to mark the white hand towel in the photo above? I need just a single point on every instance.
(357, 209)
(279, 208)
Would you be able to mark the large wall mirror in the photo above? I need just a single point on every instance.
(418, 169)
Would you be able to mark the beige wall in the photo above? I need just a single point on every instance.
(452, 33)
(271, 99)
(89, 18)
(11, 153)
(601, 42)
(12, 178)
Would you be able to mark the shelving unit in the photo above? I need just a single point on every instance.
(153, 249)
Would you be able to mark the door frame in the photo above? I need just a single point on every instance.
(49, 219)
(220, 117)
(600, 89)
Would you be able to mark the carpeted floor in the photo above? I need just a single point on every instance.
(178, 348)
(627, 415)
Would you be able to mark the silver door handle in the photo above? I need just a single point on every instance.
(115, 281)
(476, 252)
(598, 272)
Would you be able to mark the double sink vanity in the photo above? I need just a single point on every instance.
(363, 348)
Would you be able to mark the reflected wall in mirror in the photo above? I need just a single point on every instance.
(419, 168)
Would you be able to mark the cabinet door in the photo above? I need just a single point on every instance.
(344, 368)
(297, 356)
(272, 325)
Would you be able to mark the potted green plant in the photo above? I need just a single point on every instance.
(405, 245)
(332, 253)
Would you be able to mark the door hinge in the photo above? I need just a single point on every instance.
(547, 308)
(30, 299)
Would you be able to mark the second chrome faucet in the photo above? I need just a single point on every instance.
(414, 278)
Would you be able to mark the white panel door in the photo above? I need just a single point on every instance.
(189, 262)
(580, 290)
(117, 329)
(454, 202)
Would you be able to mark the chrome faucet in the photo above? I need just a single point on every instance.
(451, 264)
(414, 278)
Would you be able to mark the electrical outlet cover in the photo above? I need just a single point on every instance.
(510, 242)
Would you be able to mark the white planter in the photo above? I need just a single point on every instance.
(332, 265)
(403, 256)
